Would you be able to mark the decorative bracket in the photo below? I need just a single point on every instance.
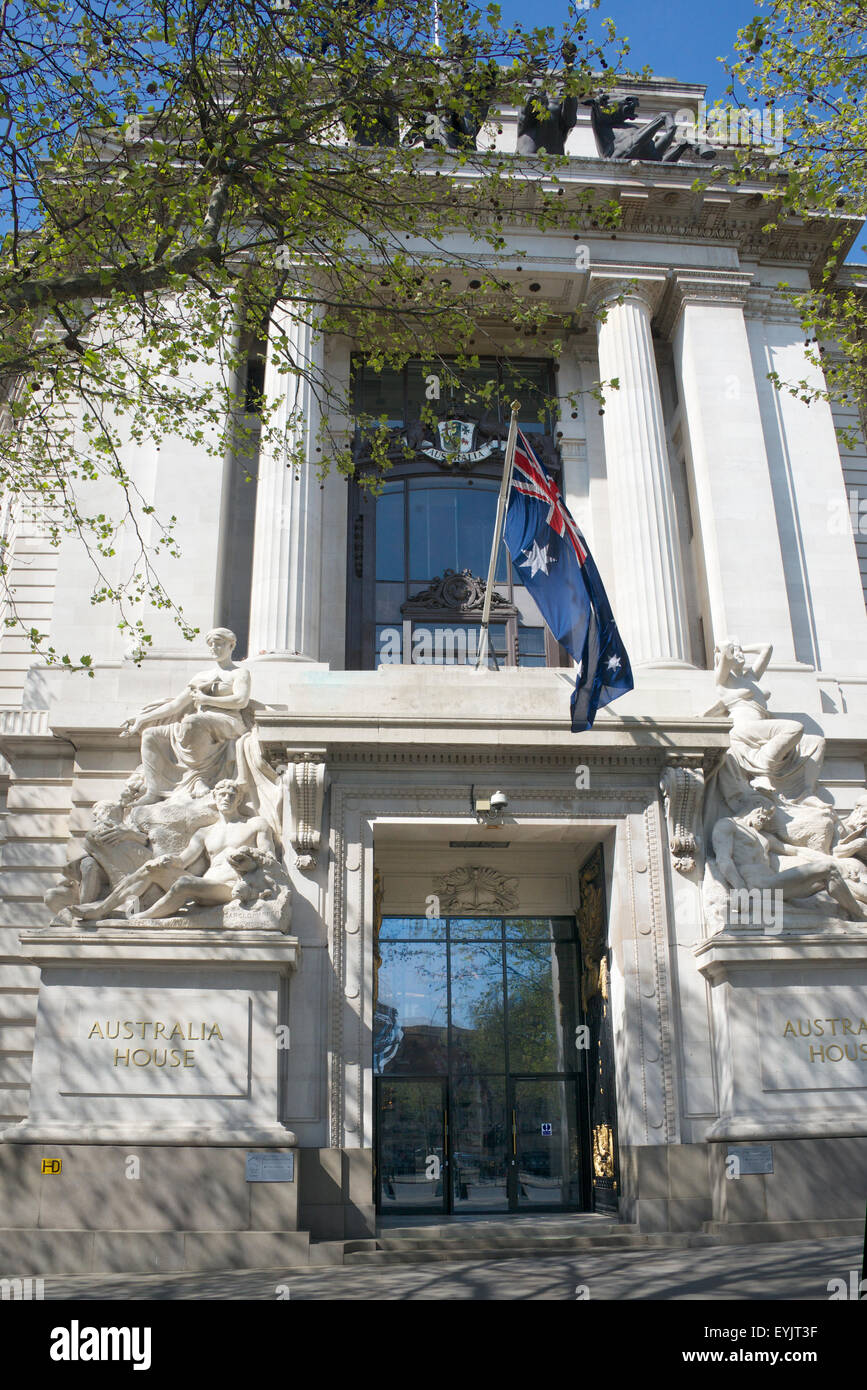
(682, 785)
(305, 777)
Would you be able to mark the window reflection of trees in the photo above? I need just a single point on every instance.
(540, 1001)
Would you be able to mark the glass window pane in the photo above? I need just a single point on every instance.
(548, 1170)
(381, 393)
(536, 1029)
(452, 528)
(389, 597)
(411, 1139)
(481, 1144)
(478, 1033)
(531, 640)
(412, 928)
(411, 1019)
(529, 928)
(529, 382)
(389, 533)
(476, 928)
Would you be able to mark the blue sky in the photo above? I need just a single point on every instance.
(680, 38)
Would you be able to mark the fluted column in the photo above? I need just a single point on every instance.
(650, 606)
(288, 544)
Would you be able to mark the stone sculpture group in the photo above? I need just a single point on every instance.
(766, 831)
(195, 832)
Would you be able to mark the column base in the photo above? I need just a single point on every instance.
(288, 656)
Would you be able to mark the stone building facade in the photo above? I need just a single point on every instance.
(435, 953)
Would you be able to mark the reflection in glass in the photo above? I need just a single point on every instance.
(478, 1033)
(486, 1013)
(529, 928)
(411, 1144)
(535, 1033)
(412, 928)
(475, 928)
(389, 533)
(481, 1144)
(547, 1168)
(412, 984)
(450, 527)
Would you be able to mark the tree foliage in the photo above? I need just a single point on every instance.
(809, 59)
(172, 168)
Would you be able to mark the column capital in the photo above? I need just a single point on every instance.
(704, 285)
(610, 282)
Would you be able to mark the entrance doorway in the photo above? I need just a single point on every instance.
(481, 1094)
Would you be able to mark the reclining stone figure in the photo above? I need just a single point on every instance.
(233, 848)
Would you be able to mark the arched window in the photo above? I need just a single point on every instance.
(419, 551)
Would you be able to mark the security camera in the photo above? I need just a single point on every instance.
(499, 801)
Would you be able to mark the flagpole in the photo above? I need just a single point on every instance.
(502, 500)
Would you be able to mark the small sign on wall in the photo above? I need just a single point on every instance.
(750, 1159)
(270, 1167)
(52, 1165)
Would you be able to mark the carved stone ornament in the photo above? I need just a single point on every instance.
(473, 886)
(456, 443)
(453, 593)
(592, 931)
(306, 777)
(194, 835)
(682, 787)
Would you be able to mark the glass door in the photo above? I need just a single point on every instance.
(481, 1096)
(412, 1165)
(546, 1158)
(480, 1145)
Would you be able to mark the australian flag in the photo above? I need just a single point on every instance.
(558, 570)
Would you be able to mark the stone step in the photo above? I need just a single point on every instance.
(492, 1240)
(520, 1228)
(439, 1252)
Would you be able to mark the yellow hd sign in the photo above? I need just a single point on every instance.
(51, 1165)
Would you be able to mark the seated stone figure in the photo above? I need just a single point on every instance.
(748, 856)
(188, 742)
(765, 753)
(232, 848)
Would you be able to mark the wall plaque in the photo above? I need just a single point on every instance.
(270, 1167)
(751, 1158)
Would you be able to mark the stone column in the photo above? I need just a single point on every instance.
(736, 512)
(288, 549)
(648, 596)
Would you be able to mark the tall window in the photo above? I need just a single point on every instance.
(420, 550)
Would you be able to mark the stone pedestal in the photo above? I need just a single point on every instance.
(791, 1025)
(158, 1036)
